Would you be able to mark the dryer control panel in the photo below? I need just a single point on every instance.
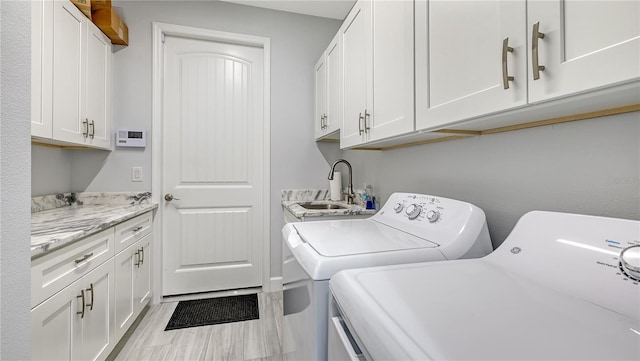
(592, 258)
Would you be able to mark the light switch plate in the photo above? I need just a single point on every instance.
(136, 174)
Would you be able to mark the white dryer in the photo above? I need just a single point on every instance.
(560, 287)
(408, 228)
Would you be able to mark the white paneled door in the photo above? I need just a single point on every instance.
(213, 165)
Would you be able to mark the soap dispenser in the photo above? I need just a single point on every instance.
(369, 198)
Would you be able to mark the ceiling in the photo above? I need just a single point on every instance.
(333, 9)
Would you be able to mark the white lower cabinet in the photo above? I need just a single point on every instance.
(76, 323)
(133, 283)
(98, 295)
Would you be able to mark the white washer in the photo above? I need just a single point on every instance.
(408, 228)
(561, 286)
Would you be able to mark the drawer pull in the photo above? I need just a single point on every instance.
(138, 228)
(90, 305)
(81, 313)
(84, 258)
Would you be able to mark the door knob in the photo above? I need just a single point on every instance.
(169, 197)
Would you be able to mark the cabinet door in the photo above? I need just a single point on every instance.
(333, 120)
(56, 326)
(393, 75)
(41, 68)
(355, 35)
(98, 331)
(98, 87)
(321, 96)
(586, 45)
(68, 72)
(460, 47)
(142, 276)
(125, 268)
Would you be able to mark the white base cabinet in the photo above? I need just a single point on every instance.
(98, 295)
(76, 323)
(133, 283)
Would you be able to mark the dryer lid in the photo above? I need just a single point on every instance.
(358, 236)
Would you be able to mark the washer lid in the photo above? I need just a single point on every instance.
(357, 236)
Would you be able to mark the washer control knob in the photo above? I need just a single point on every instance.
(413, 211)
(433, 216)
(630, 261)
(398, 207)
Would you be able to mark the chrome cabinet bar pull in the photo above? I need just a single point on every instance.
(138, 228)
(90, 305)
(137, 256)
(326, 125)
(84, 258)
(81, 313)
(505, 72)
(360, 120)
(93, 129)
(366, 116)
(141, 250)
(536, 67)
(86, 128)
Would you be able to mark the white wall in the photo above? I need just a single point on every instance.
(15, 167)
(590, 167)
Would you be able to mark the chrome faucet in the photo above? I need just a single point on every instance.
(349, 193)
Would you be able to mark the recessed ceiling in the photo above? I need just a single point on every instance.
(333, 9)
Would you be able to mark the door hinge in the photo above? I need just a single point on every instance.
(162, 37)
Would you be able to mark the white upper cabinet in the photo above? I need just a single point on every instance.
(378, 76)
(586, 45)
(471, 59)
(328, 115)
(479, 59)
(321, 96)
(393, 73)
(71, 77)
(333, 119)
(98, 88)
(355, 35)
(69, 35)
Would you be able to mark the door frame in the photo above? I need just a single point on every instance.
(159, 31)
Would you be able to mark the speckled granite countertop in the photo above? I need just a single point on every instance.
(291, 200)
(57, 224)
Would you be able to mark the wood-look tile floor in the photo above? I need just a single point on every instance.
(248, 340)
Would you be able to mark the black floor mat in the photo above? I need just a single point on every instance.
(213, 311)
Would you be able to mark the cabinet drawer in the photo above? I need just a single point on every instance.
(132, 230)
(59, 269)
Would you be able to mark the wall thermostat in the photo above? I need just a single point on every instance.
(131, 138)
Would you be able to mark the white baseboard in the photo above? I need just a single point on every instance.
(275, 284)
